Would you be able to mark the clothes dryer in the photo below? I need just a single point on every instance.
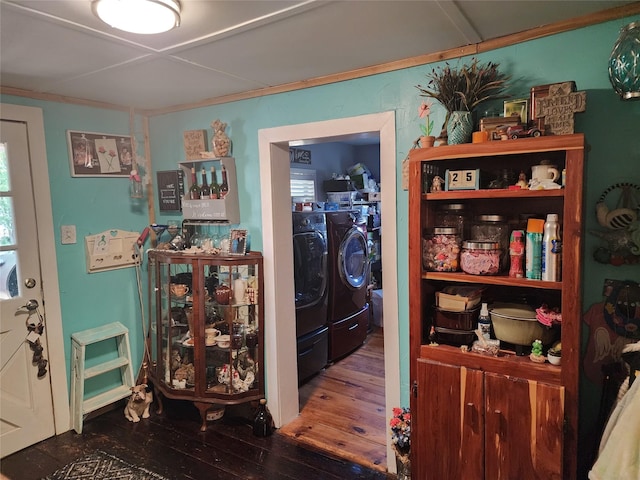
(310, 270)
(311, 287)
(348, 312)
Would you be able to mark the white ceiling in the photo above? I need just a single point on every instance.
(230, 47)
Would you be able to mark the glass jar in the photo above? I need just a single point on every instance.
(454, 215)
(493, 228)
(441, 250)
(480, 258)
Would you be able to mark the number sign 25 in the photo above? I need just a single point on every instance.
(462, 180)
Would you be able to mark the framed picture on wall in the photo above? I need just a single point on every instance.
(94, 154)
(237, 242)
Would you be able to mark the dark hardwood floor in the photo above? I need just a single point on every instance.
(172, 445)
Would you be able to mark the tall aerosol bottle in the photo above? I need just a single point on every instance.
(551, 249)
(533, 249)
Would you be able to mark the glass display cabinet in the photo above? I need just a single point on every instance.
(206, 331)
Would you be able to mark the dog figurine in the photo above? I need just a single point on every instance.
(138, 404)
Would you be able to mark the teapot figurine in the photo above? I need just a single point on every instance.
(223, 293)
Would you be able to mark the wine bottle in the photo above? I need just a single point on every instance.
(205, 190)
(194, 190)
(263, 421)
(214, 188)
(224, 186)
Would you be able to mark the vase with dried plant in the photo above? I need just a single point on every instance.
(462, 90)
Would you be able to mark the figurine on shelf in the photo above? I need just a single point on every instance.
(176, 360)
(536, 352)
(436, 184)
(221, 143)
(433, 340)
(522, 181)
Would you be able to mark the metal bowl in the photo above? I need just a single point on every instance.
(517, 324)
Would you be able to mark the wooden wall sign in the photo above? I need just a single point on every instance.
(559, 107)
(195, 141)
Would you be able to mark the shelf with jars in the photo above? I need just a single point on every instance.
(206, 335)
(480, 392)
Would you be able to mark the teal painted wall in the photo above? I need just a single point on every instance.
(93, 205)
(611, 127)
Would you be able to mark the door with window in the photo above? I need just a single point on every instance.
(26, 407)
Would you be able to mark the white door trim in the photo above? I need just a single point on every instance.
(280, 327)
(46, 244)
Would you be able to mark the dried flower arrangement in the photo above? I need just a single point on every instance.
(464, 89)
(400, 425)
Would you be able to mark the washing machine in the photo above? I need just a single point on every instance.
(310, 255)
(348, 310)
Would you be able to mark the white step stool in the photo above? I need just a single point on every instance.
(81, 406)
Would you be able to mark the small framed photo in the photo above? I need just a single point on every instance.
(517, 108)
(94, 154)
(238, 242)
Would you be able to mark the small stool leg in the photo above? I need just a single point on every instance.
(77, 387)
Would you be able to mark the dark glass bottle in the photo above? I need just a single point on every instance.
(215, 188)
(205, 191)
(263, 421)
(224, 186)
(194, 190)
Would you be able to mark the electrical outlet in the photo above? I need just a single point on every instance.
(68, 234)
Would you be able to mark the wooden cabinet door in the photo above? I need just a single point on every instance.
(447, 435)
(523, 429)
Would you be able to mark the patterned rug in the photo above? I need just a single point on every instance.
(102, 466)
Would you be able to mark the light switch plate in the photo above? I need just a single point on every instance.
(68, 234)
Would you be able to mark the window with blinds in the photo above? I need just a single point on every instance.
(303, 184)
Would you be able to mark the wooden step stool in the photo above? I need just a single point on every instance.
(81, 406)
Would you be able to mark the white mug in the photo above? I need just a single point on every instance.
(210, 335)
(545, 172)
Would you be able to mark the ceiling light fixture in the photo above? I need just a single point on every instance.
(139, 16)
(624, 63)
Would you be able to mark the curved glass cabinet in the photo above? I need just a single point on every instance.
(206, 333)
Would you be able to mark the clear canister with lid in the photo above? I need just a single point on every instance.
(480, 258)
(441, 249)
(493, 228)
(454, 215)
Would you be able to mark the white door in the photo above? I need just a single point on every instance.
(26, 406)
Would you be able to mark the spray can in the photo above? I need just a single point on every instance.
(551, 249)
(484, 322)
(533, 249)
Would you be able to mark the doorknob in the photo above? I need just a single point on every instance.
(32, 305)
(30, 282)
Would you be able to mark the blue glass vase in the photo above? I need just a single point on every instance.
(624, 63)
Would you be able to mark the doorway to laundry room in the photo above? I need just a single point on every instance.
(277, 208)
(337, 266)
